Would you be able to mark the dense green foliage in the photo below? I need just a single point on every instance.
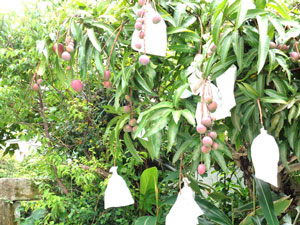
(82, 133)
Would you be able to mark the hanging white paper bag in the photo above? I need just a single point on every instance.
(265, 157)
(225, 84)
(185, 210)
(117, 193)
(155, 34)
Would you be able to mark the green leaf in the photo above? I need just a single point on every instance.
(181, 149)
(220, 160)
(183, 48)
(93, 39)
(297, 150)
(157, 126)
(281, 8)
(142, 84)
(179, 14)
(219, 67)
(264, 42)
(260, 85)
(271, 61)
(292, 114)
(189, 116)
(248, 114)
(280, 206)
(218, 7)
(238, 47)
(275, 94)
(256, 220)
(99, 63)
(109, 125)
(216, 28)
(141, 125)
(280, 86)
(172, 132)
(207, 160)
(178, 94)
(176, 115)
(76, 31)
(292, 134)
(208, 64)
(251, 90)
(156, 140)
(282, 62)
(283, 150)
(159, 113)
(242, 12)
(212, 212)
(157, 106)
(148, 145)
(131, 147)
(146, 220)
(236, 119)
(260, 4)
(175, 30)
(265, 201)
(82, 58)
(225, 48)
(273, 100)
(278, 26)
(148, 184)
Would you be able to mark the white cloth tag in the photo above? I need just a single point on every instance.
(117, 193)
(155, 34)
(185, 210)
(265, 157)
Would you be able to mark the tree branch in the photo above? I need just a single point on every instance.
(99, 171)
(46, 128)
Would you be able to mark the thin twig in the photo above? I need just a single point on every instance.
(99, 171)
(202, 33)
(130, 102)
(113, 46)
(46, 129)
(180, 173)
(260, 113)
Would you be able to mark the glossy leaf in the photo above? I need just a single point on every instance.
(148, 184)
(188, 116)
(280, 206)
(264, 41)
(217, 155)
(131, 147)
(176, 115)
(146, 220)
(172, 132)
(260, 4)
(225, 47)
(93, 39)
(157, 126)
(242, 12)
(181, 149)
(265, 201)
(212, 212)
(178, 94)
(216, 28)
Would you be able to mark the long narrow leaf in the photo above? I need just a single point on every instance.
(264, 42)
(131, 147)
(265, 201)
(212, 212)
(242, 12)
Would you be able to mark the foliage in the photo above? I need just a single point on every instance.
(82, 133)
